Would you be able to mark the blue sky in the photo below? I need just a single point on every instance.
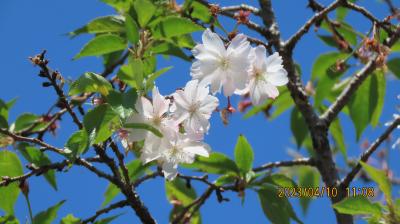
(27, 27)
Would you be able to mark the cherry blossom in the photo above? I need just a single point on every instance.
(265, 74)
(220, 66)
(194, 107)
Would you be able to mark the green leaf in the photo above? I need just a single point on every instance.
(277, 209)
(108, 219)
(102, 44)
(367, 103)
(308, 177)
(279, 180)
(10, 166)
(122, 103)
(380, 177)
(198, 11)
(153, 76)
(329, 40)
(144, 10)
(325, 62)
(119, 5)
(70, 219)
(100, 123)
(166, 48)
(282, 104)
(78, 143)
(226, 179)
(337, 134)
(111, 192)
(144, 126)
(89, 83)
(394, 67)
(133, 73)
(48, 216)
(104, 24)
(341, 13)
(216, 163)
(8, 220)
(35, 156)
(175, 26)
(378, 91)
(244, 155)
(298, 126)
(358, 206)
(25, 121)
(132, 29)
(178, 190)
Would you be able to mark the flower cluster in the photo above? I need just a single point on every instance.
(183, 117)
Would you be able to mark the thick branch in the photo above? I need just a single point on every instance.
(364, 157)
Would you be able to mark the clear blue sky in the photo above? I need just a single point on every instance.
(27, 27)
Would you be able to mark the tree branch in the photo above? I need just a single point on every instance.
(291, 43)
(296, 162)
(116, 205)
(364, 157)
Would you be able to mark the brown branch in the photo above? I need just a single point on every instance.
(291, 43)
(244, 7)
(147, 177)
(196, 204)
(364, 157)
(121, 163)
(116, 205)
(296, 162)
(393, 9)
(32, 140)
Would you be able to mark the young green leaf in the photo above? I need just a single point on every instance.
(10, 166)
(244, 155)
(394, 67)
(153, 76)
(104, 24)
(298, 126)
(111, 192)
(89, 83)
(308, 177)
(366, 102)
(325, 62)
(35, 156)
(358, 206)
(78, 143)
(25, 121)
(278, 180)
(380, 177)
(70, 219)
(102, 44)
(100, 123)
(277, 209)
(9, 219)
(108, 219)
(178, 190)
(132, 29)
(216, 163)
(119, 5)
(337, 134)
(145, 9)
(144, 126)
(378, 92)
(48, 216)
(175, 26)
(166, 48)
(122, 103)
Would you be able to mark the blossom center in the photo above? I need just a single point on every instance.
(224, 63)
(194, 107)
(157, 121)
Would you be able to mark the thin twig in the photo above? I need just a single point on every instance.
(364, 157)
(116, 205)
(296, 162)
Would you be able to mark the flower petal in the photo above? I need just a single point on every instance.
(212, 42)
(278, 78)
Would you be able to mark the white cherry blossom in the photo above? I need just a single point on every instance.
(264, 75)
(220, 66)
(194, 107)
(179, 148)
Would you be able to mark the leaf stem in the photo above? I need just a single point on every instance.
(29, 207)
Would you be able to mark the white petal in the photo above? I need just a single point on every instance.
(209, 104)
(170, 170)
(145, 107)
(229, 87)
(212, 41)
(180, 100)
(239, 45)
(271, 91)
(215, 81)
(190, 91)
(274, 62)
(160, 104)
(197, 148)
(278, 78)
